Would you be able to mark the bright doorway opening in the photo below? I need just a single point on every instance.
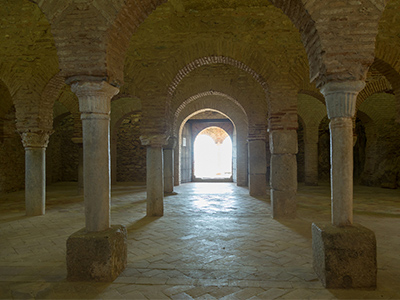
(212, 154)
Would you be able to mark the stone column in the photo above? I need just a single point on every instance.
(344, 254)
(311, 156)
(155, 173)
(177, 153)
(257, 167)
(99, 251)
(35, 144)
(79, 143)
(169, 166)
(283, 146)
(94, 105)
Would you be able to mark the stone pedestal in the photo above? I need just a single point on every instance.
(257, 168)
(344, 257)
(283, 146)
(154, 174)
(35, 144)
(97, 256)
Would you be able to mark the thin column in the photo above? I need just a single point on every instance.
(35, 144)
(340, 101)
(94, 105)
(169, 166)
(311, 156)
(257, 168)
(283, 146)
(155, 174)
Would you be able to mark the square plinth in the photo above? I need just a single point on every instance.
(344, 257)
(97, 256)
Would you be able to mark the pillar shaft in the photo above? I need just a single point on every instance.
(342, 171)
(168, 170)
(283, 146)
(155, 181)
(257, 168)
(155, 173)
(35, 144)
(94, 105)
(35, 181)
(169, 165)
(341, 100)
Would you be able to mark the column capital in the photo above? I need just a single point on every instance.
(94, 96)
(156, 140)
(340, 97)
(35, 139)
(171, 142)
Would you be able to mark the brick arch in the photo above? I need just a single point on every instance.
(208, 100)
(120, 109)
(205, 94)
(301, 18)
(203, 61)
(331, 41)
(372, 87)
(253, 99)
(314, 94)
(388, 69)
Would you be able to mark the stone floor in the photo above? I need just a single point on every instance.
(214, 242)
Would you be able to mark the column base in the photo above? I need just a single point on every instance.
(284, 204)
(97, 256)
(258, 185)
(344, 257)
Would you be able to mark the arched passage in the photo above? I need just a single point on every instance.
(212, 155)
(215, 125)
(227, 106)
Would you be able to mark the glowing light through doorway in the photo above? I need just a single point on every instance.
(212, 155)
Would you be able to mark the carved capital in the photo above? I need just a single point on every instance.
(157, 140)
(94, 96)
(171, 142)
(340, 98)
(35, 139)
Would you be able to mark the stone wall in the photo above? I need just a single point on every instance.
(383, 142)
(131, 155)
(12, 157)
(62, 155)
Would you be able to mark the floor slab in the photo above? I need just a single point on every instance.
(213, 242)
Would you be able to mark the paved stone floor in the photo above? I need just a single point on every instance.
(214, 242)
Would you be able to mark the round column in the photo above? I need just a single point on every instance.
(35, 144)
(340, 100)
(155, 173)
(94, 105)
